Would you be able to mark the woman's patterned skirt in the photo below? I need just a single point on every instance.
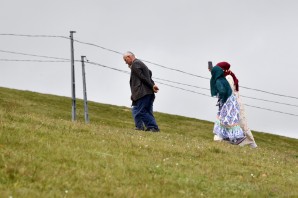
(227, 124)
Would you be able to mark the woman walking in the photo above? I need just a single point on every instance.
(233, 81)
(227, 125)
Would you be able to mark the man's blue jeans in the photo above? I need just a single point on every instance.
(143, 112)
(138, 122)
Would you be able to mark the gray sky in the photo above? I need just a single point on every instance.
(257, 37)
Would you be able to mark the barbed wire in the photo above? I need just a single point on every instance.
(117, 52)
(188, 89)
(282, 103)
(127, 72)
(112, 68)
(271, 110)
(150, 62)
(181, 71)
(93, 63)
(183, 89)
(94, 45)
(26, 60)
(28, 35)
(179, 83)
(276, 94)
(244, 104)
(34, 55)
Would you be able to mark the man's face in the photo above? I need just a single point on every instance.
(127, 59)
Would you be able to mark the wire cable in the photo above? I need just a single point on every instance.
(91, 44)
(270, 101)
(40, 56)
(126, 72)
(183, 89)
(180, 71)
(112, 68)
(23, 60)
(181, 83)
(241, 95)
(67, 60)
(244, 104)
(165, 67)
(104, 48)
(270, 92)
(93, 63)
(28, 35)
(271, 110)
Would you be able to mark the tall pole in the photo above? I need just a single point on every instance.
(210, 65)
(84, 90)
(73, 85)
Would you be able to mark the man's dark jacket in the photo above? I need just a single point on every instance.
(141, 83)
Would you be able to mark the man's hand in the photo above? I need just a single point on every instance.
(155, 88)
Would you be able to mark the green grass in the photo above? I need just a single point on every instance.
(44, 154)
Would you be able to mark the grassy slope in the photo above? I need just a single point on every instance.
(44, 154)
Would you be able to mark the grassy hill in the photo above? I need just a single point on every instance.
(44, 154)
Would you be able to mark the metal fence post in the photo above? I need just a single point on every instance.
(73, 88)
(85, 90)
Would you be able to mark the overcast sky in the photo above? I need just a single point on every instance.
(257, 37)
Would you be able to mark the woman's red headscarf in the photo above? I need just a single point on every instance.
(226, 67)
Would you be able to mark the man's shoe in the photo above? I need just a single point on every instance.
(152, 130)
(139, 129)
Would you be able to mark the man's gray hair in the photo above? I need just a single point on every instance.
(128, 53)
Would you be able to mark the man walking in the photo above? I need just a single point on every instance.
(142, 93)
